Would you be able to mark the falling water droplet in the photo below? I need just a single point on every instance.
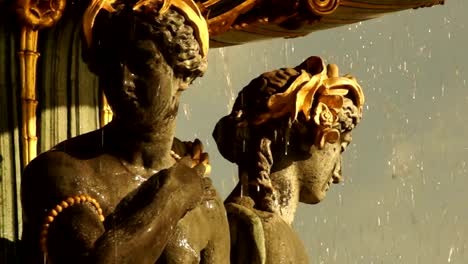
(450, 255)
(187, 112)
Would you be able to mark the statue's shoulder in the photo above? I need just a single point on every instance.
(65, 158)
(84, 146)
(243, 208)
(49, 166)
(261, 237)
(58, 173)
(247, 231)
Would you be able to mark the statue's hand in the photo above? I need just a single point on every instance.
(199, 160)
(195, 151)
(209, 191)
(188, 182)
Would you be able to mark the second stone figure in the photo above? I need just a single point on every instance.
(286, 133)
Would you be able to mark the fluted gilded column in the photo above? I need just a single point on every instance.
(35, 15)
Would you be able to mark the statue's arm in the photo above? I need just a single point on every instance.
(137, 232)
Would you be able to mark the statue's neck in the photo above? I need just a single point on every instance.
(287, 191)
(142, 145)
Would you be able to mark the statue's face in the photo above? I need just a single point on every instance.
(140, 85)
(317, 173)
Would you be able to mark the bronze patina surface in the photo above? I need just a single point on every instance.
(286, 133)
(129, 192)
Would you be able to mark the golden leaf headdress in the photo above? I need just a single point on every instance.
(188, 9)
(319, 86)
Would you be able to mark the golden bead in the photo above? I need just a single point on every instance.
(70, 201)
(53, 213)
(64, 204)
(59, 208)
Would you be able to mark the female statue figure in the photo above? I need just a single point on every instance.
(121, 194)
(286, 133)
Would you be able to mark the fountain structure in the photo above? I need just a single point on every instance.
(228, 23)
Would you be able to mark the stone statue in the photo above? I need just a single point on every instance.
(130, 192)
(286, 133)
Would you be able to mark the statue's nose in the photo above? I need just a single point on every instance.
(127, 75)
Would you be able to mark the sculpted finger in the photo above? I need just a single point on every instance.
(198, 142)
(204, 158)
(179, 148)
(197, 149)
(207, 170)
(188, 146)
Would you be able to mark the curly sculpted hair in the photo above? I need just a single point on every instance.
(113, 32)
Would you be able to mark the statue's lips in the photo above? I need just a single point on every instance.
(336, 174)
(327, 184)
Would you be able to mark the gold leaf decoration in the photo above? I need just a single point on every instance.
(320, 87)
